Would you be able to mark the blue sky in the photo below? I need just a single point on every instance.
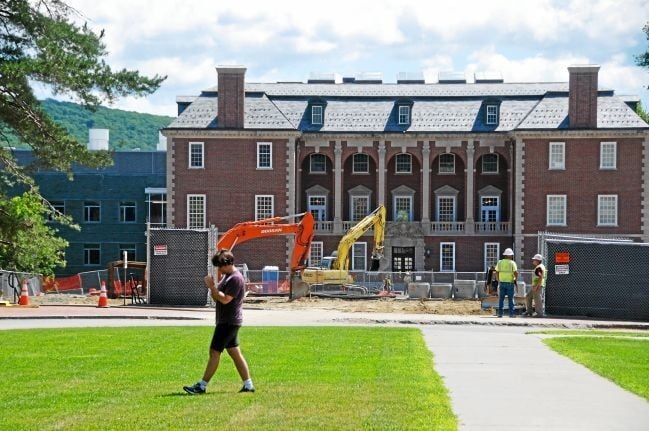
(282, 40)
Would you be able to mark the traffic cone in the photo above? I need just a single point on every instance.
(24, 294)
(103, 297)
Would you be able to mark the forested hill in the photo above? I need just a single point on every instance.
(128, 130)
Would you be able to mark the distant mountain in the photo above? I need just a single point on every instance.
(128, 130)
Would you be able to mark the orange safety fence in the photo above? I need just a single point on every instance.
(51, 284)
(124, 289)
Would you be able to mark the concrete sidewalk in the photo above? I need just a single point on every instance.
(499, 378)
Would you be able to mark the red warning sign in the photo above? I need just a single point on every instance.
(561, 257)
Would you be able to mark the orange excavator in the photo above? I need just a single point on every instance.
(275, 226)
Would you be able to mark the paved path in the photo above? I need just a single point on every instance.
(499, 378)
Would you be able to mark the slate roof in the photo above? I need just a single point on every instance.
(358, 108)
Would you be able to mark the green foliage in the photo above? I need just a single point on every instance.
(642, 60)
(39, 42)
(318, 379)
(28, 243)
(642, 113)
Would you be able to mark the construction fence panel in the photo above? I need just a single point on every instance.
(178, 261)
(598, 279)
(11, 284)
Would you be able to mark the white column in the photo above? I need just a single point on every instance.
(338, 187)
(291, 183)
(425, 186)
(381, 173)
(469, 223)
(517, 197)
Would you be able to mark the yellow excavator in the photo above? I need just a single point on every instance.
(333, 270)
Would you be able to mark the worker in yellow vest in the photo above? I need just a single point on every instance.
(538, 284)
(507, 275)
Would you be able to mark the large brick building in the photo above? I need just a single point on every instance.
(464, 169)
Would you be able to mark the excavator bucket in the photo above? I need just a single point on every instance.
(299, 288)
(376, 263)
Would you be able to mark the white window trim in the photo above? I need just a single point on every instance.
(406, 113)
(119, 216)
(313, 114)
(311, 255)
(599, 208)
(495, 114)
(270, 155)
(189, 158)
(497, 171)
(484, 253)
(131, 247)
(86, 249)
(364, 244)
(351, 206)
(396, 171)
(354, 171)
(563, 151)
(85, 213)
(547, 210)
(411, 215)
(311, 171)
(483, 206)
(439, 164)
(439, 197)
(441, 247)
(189, 196)
(272, 205)
(601, 153)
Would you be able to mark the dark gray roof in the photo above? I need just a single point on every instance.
(351, 108)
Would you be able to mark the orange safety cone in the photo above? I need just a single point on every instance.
(103, 297)
(24, 294)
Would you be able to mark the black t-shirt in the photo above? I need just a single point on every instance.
(232, 285)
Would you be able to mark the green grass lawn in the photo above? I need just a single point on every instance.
(618, 358)
(306, 379)
(593, 332)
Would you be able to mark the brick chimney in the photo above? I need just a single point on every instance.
(231, 96)
(582, 96)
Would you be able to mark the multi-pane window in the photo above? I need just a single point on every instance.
(557, 155)
(403, 208)
(195, 211)
(58, 206)
(447, 163)
(447, 256)
(318, 207)
(360, 207)
(91, 254)
(264, 155)
(130, 252)
(490, 164)
(491, 254)
(446, 208)
(196, 155)
(361, 163)
(264, 206)
(316, 253)
(404, 114)
(359, 256)
(492, 114)
(316, 114)
(556, 210)
(157, 208)
(318, 163)
(608, 155)
(607, 210)
(403, 164)
(127, 212)
(91, 212)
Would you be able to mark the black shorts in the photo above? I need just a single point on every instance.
(225, 336)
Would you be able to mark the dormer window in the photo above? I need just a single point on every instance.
(316, 114)
(404, 114)
(492, 114)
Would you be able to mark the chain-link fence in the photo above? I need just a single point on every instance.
(11, 284)
(597, 278)
(178, 261)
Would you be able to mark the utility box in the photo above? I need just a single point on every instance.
(464, 289)
(441, 290)
(418, 290)
(270, 279)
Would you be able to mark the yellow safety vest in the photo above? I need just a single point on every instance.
(506, 269)
(535, 278)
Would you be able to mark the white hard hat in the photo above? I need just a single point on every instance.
(508, 252)
(537, 257)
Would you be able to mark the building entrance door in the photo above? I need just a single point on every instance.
(403, 259)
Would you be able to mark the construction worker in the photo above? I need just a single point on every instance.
(538, 284)
(507, 276)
